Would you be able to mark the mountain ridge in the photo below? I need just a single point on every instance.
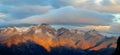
(47, 37)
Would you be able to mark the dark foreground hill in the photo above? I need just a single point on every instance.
(117, 51)
(35, 49)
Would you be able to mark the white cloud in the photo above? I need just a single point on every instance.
(98, 2)
(71, 15)
(117, 18)
(2, 15)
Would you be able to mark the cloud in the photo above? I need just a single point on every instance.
(21, 9)
(32, 8)
(96, 12)
(98, 2)
(99, 5)
(29, 10)
(92, 27)
(113, 2)
(117, 18)
(2, 15)
(109, 8)
(18, 12)
(70, 14)
(115, 28)
(2, 22)
(3, 19)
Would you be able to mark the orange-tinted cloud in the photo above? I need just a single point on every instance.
(98, 28)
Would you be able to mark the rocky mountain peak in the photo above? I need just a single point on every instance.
(93, 31)
(44, 25)
(62, 31)
(46, 28)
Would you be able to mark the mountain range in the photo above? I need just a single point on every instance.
(46, 40)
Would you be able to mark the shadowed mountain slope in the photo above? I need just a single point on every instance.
(117, 51)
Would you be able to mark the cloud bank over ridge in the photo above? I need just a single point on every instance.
(90, 12)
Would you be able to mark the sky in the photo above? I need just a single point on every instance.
(95, 14)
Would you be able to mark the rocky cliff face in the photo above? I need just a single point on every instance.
(44, 35)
